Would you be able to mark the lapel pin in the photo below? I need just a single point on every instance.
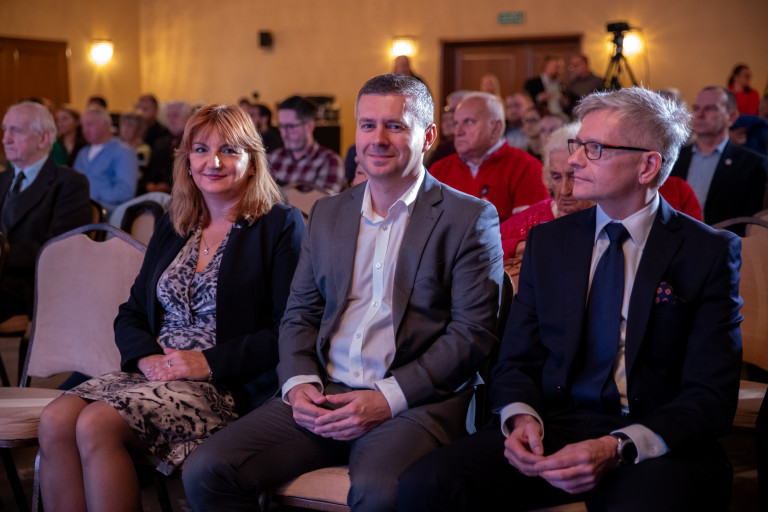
(728, 161)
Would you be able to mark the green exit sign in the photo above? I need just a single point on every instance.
(510, 18)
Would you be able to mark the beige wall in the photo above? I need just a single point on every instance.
(79, 22)
(207, 50)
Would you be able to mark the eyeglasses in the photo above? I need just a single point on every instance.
(594, 150)
(289, 126)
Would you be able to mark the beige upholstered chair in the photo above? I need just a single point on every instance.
(304, 196)
(326, 489)
(78, 287)
(754, 329)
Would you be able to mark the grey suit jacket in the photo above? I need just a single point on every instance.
(445, 298)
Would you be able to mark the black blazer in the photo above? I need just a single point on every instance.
(56, 202)
(682, 355)
(738, 185)
(253, 285)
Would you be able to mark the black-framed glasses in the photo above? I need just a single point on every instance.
(290, 126)
(594, 150)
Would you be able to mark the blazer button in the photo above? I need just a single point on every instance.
(560, 389)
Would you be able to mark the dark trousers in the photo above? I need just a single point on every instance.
(473, 474)
(266, 448)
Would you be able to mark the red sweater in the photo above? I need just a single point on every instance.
(509, 178)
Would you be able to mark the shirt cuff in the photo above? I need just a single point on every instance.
(649, 444)
(394, 395)
(301, 379)
(517, 408)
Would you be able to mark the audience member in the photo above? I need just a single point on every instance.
(110, 166)
(38, 201)
(747, 98)
(490, 83)
(546, 90)
(159, 172)
(132, 127)
(621, 405)
(532, 131)
(148, 106)
(198, 334)
(262, 117)
(375, 366)
(302, 159)
(96, 102)
(547, 126)
(516, 105)
(583, 82)
(484, 165)
(558, 177)
(403, 67)
(70, 138)
(729, 181)
(445, 145)
(680, 196)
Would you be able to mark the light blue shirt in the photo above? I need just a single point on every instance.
(702, 170)
(112, 173)
(30, 173)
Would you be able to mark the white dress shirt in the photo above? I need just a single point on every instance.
(363, 345)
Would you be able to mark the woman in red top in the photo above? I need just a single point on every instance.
(747, 99)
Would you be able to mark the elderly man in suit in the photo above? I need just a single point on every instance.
(38, 200)
(623, 344)
(729, 180)
(392, 311)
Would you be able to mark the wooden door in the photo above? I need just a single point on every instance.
(513, 61)
(32, 69)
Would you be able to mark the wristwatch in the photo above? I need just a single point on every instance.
(626, 451)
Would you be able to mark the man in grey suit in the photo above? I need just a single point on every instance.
(392, 311)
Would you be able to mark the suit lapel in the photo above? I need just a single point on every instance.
(663, 243)
(34, 193)
(426, 212)
(344, 246)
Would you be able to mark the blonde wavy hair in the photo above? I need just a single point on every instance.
(188, 209)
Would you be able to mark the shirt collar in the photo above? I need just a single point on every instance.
(719, 149)
(487, 154)
(406, 201)
(31, 172)
(638, 224)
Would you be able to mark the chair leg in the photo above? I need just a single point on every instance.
(13, 478)
(162, 492)
(37, 504)
(3, 374)
(23, 347)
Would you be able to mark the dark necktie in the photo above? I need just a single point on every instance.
(16, 188)
(594, 387)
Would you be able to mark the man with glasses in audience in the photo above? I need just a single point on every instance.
(302, 159)
(392, 311)
(619, 366)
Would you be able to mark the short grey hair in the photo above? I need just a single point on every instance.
(418, 103)
(100, 114)
(648, 119)
(493, 104)
(42, 120)
(557, 141)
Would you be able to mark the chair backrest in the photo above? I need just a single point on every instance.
(79, 285)
(753, 229)
(304, 195)
(754, 291)
(139, 219)
(98, 216)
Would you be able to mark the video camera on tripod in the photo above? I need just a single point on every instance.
(617, 59)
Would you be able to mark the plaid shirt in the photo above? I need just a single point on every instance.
(319, 165)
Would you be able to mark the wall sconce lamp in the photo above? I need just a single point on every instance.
(101, 52)
(403, 46)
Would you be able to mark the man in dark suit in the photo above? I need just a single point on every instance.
(729, 180)
(623, 343)
(546, 90)
(38, 200)
(391, 313)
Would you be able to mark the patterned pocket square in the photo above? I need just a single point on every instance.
(665, 294)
